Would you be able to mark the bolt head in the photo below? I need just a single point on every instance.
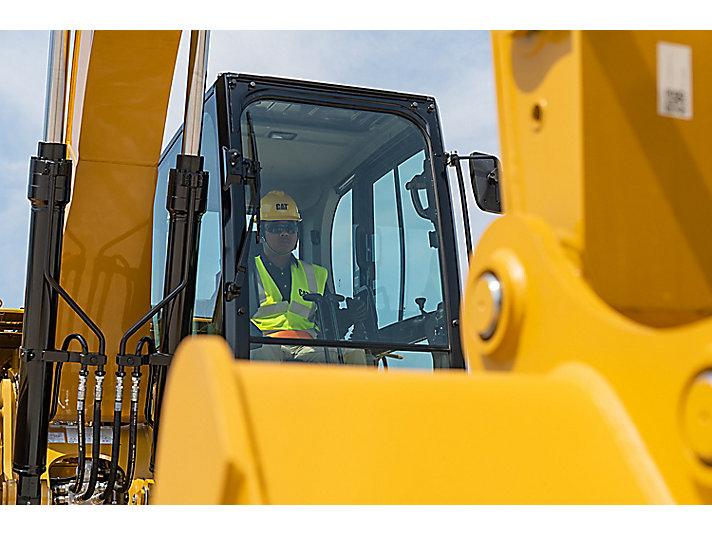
(488, 304)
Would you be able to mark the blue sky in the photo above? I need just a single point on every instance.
(453, 66)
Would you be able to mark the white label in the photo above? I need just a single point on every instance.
(674, 80)
(104, 436)
(55, 437)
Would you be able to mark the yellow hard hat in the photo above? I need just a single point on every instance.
(278, 206)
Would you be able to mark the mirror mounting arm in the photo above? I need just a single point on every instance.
(484, 177)
(453, 160)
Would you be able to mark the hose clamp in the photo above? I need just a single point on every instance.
(81, 391)
(119, 393)
(135, 385)
(99, 387)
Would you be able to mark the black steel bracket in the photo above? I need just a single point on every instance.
(184, 179)
(64, 356)
(85, 358)
(43, 169)
(134, 360)
(239, 169)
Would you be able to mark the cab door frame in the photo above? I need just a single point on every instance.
(236, 91)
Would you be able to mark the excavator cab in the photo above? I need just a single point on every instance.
(367, 171)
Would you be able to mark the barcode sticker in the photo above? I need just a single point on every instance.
(674, 80)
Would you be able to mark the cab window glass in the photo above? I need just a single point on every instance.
(363, 187)
(342, 248)
(206, 318)
(420, 239)
(205, 312)
(160, 222)
(387, 247)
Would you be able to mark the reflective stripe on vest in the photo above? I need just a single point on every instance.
(274, 312)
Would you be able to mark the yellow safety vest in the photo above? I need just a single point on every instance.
(275, 313)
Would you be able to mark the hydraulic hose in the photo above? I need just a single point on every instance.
(81, 439)
(96, 432)
(133, 424)
(133, 431)
(149, 396)
(116, 434)
(157, 407)
(58, 371)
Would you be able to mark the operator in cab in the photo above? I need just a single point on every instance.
(289, 289)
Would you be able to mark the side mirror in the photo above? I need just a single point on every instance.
(485, 172)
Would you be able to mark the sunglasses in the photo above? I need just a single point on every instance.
(281, 227)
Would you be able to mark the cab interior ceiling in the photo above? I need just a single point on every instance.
(305, 149)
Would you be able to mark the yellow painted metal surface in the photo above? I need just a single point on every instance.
(551, 316)
(120, 103)
(8, 490)
(260, 433)
(626, 190)
(603, 254)
(140, 492)
(532, 72)
(697, 411)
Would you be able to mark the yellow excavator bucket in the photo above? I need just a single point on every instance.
(235, 432)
